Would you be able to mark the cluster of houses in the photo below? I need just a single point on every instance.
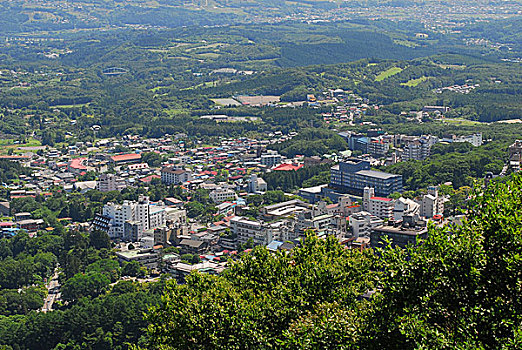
(356, 206)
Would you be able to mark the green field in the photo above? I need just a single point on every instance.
(414, 82)
(388, 73)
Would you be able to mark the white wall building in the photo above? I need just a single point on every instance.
(432, 204)
(175, 176)
(141, 214)
(362, 223)
(219, 195)
(248, 229)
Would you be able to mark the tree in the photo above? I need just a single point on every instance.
(100, 239)
(89, 284)
(259, 300)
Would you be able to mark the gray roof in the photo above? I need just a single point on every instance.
(377, 174)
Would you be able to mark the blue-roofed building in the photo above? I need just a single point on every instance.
(353, 175)
(274, 246)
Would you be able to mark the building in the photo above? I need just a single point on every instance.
(405, 207)
(362, 223)
(256, 184)
(145, 257)
(270, 159)
(381, 207)
(126, 158)
(5, 209)
(474, 139)
(114, 218)
(246, 230)
(175, 176)
(515, 155)
(353, 175)
(400, 234)
(109, 182)
(416, 150)
(432, 204)
(219, 195)
(377, 147)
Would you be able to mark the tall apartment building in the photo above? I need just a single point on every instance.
(109, 182)
(378, 147)
(175, 176)
(381, 207)
(416, 150)
(131, 219)
(432, 204)
(353, 175)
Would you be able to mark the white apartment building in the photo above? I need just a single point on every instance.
(378, 206)
(175, 176)
(219, 195)
(109, 182)
(432, 204)
(362, 223)
(248, 229)
(141, 214)
(270, 159)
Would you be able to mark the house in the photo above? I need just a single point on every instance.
(193, 247)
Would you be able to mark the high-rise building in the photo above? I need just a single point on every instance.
(353, 175)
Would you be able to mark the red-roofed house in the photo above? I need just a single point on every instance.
(77, 165)
(150, 178)
(288, 167)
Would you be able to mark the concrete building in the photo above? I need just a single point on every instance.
(405, 207)
(246, 230)
(219, 195)
(515, 155)
(362, 223)
(381, 207)
(416, 150)
(401, 234)
(432, 204)
(145, 257)
(378, 147)
(353, 175)
(114, 217)
(270, 159)
(256, 184)
(110, 182)
(175, 176)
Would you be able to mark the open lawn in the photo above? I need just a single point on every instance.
(414, 82)
(388, 73)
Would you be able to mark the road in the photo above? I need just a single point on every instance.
(53, 294)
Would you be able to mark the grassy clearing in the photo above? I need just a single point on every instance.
(388, 73)
(414, 82)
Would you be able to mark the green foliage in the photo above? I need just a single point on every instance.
(451, 291)
(291, 180)
(262, 300)
(81, 285)
(458, 166)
